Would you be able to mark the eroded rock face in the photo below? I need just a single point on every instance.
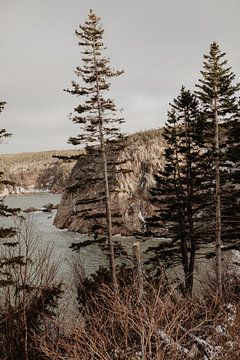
(143, 157)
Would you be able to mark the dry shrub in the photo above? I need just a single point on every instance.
(29, 292)
(226, 310)
(162, 325)
(230, 279)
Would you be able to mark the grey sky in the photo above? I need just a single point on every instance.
(159, 43)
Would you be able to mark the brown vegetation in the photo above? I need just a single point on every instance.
(162, 325)
(30, 295)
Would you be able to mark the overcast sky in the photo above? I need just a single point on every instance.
(159, 43)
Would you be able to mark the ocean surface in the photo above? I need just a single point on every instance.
(91, 257)
(59, 240)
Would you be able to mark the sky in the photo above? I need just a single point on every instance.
(159, 43)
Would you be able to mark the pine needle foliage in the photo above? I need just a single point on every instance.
(179, 186)
(6, 233)
(96, 114)
(219, 99)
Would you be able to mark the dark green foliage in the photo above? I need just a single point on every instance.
(96, 116)
(217, 85)
(85, 243)
(195, 161)
(6, 233)
(88, 287)
(95, 75)
(217, 81)
(91, 208)
(14, 322)
(179, 186)
(234, 142)
(219, 97)
(3, 133)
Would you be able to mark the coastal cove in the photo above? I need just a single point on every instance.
(48, 234)
(61, 240)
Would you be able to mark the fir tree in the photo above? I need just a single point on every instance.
(6, 233)
(5, 211)
(96, 116)
(178, 185)
(218, 96)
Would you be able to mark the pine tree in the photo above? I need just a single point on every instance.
(5, 211)
(96, 115)
(178, 185)
(233, 156)
(234, 139)
(217, 94)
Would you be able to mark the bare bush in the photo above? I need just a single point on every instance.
(230, 279)
(163, 324)
(160, 326)
(30, 295)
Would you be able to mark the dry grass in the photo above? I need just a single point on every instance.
(163, 325)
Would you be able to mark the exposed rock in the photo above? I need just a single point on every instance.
(143, 156)
(48, 207)
(31, 209)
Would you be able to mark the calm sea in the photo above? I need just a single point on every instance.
(60, 240)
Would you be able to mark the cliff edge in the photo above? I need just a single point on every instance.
(143, 156)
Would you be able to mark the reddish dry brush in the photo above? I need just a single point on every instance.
(30, 297)
(117, 326)
(162, 324)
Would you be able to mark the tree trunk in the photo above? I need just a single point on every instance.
(138, 273)
(181, 221)
(106, 183)
(108, 217)
(218, 202)
(189, 182)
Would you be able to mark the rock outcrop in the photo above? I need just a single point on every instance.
(143, 156)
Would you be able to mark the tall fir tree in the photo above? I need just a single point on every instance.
(218, 96)
(97, 116)
(178, 186)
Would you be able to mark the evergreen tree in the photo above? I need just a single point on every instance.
(96, 116)
(5, 211)
(178, 185)
(217, 94)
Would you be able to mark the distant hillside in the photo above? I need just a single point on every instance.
(36, 171)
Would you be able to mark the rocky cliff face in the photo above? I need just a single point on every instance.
(143, 156)
(32, 172)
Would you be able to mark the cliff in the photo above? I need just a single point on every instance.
(143, 156)
(32, 172)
